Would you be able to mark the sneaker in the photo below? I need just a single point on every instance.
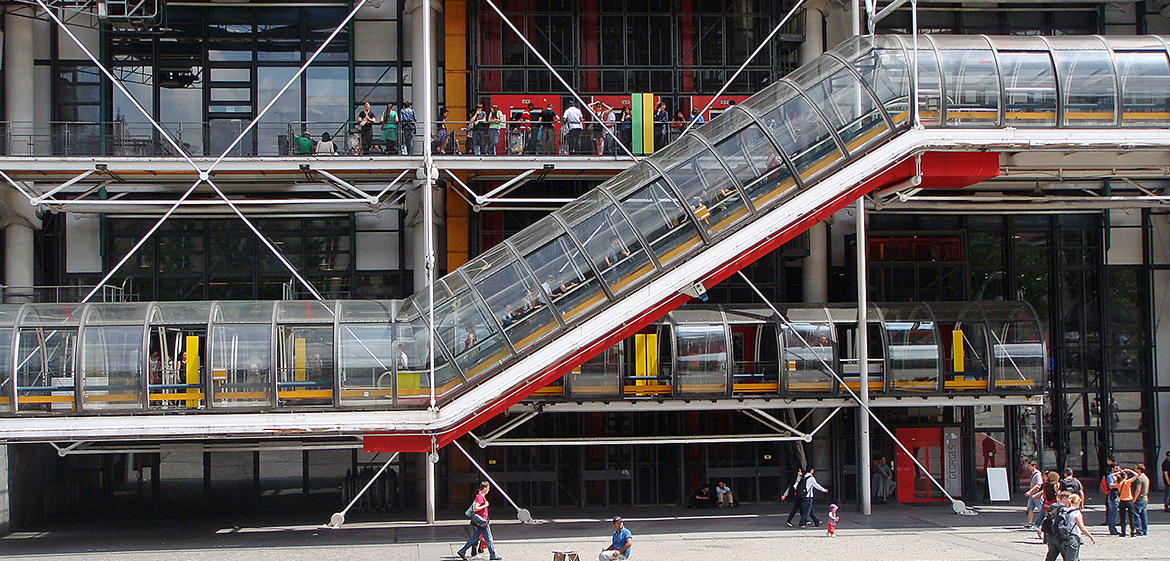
(818, 524)
(789, 524)
(495, 558)
(461, 555)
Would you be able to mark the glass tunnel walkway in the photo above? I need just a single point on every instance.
(611, 263)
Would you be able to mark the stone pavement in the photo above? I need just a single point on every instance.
(751, 533)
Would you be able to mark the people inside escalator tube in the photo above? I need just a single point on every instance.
(616, 252)
(401, 357)
(509, 316)
(471, 338)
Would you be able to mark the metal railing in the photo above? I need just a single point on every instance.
(56, 294)
(209, 139)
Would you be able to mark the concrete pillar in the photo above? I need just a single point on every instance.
(814, 38)
(416, 233)
(815, 268)
(18, 246)
(18, 79)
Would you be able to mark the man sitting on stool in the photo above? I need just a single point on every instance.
(623, 541)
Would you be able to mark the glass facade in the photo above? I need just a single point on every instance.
(618, 47)
(1100, 384)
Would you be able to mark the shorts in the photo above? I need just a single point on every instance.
(1035, 504)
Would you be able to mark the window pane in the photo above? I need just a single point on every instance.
(660, 218)
(367, 362)
(1029, 89)
(802, 135)
(112, 368)
(756, 163)
(705, 186)
(610, 242)
(972, 87)
(1145, 88)
(241, 367)
(1090, 92)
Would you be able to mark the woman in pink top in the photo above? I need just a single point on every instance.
(481, 526)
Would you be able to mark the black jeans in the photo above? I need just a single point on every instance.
(795, 509)
(1125, 516)
(806, 512)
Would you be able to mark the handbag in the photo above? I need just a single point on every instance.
(478, 521)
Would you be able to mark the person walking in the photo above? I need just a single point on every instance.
(796, 491)
(1166, 483)
(623, 542)
(1072, 484)
(806, 505)
(1034, 494)
(406, 124)
(1066, 512)
(481, 525)
(1141, 500)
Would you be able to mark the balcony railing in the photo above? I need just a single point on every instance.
(211, 139)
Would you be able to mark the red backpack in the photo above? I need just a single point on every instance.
(1105, 485)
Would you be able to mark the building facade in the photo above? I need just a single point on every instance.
(1094, 274)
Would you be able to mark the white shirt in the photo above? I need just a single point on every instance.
(1073, 516)
(811, 484)
(573, 117)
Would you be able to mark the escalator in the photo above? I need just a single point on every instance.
(652, 238)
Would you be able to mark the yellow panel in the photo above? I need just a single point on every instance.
(192, 349)
(409, 380)
(957, 350)
(640, 358)
(652, 355)
(299, 359)
(648, 124)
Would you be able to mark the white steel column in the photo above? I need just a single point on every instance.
(431, 459)
(18, 79)
(863, 459)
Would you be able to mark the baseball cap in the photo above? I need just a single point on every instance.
(615, 519)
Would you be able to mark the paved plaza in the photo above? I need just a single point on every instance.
(754, 532)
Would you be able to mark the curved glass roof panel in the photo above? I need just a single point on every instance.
(242, 312)
(133, 313)
(1088, 83)
(730, 122)
(306, 311)
(9, 314)
(362, 311)
(180, 313)
(39, 315)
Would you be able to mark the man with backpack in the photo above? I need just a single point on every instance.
(1072, 484)
(1062, 528)
(810, 485)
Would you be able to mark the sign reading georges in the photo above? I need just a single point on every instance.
(952, 461)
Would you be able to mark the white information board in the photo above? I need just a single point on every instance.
(997, 484)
